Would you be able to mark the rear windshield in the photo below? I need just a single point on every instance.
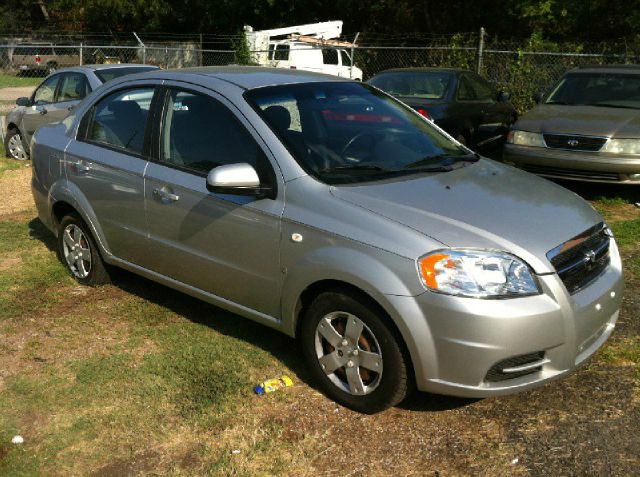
(428, 85)
(112, 73)
(598, 89)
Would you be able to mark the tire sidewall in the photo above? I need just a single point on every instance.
(394, 374)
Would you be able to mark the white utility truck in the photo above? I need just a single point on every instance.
(311, 47)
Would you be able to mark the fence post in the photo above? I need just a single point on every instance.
(81, 44)
(353, 51)
(144, 55)
(480, 50)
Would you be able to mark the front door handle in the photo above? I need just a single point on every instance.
(43, 111)
(80, 166)
(166, 195)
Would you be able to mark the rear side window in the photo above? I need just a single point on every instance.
(119, 120)
(46, 92)
(73, 87)
(330, 56)
(201, 133)
(112, 73)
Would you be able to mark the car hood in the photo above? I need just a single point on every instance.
(584, 120)
(484, 205)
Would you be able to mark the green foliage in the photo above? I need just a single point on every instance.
(242, 51)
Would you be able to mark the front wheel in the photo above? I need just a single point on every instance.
(354, 352)
(79, 252)
(14, 147)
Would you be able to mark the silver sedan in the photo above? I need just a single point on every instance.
(328, 210)
(52, 100)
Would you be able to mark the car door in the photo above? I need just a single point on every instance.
(496, 115)
(44, 108)
(226, 245)
(106, 162)
(74, 86)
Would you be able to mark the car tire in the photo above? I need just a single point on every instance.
(350, 333)
(14, 146)
(79, 253)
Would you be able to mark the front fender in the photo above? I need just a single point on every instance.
(64, 190)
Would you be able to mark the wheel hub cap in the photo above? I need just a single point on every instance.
(16, 150)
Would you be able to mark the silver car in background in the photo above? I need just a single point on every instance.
(328, 210)
(52, 100)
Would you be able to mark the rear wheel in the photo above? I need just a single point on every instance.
(354, 353)
(79, 253)
(14, 147)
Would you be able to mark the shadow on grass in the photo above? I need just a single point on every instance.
(279, 345)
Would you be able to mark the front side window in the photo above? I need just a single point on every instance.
(73, 87)
(482, 90)
(119, 120)
(598, 89)
(344, 132)
(281, 53)
(200, 133)
(344, 56)
(46, 92)
(465, 89)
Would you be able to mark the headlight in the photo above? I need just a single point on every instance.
(525, 138)
(477, 274)
(622, 146)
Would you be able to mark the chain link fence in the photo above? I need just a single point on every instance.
(510, 67)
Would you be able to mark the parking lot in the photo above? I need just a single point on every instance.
(135, 378)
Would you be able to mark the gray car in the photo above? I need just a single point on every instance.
(52, 100)
(587, 129)
(328, 210)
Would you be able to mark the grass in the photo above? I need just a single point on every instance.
(9, 80)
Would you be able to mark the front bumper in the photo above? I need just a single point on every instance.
(456, 342)
(574, 165)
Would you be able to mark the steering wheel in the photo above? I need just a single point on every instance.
(356, 138)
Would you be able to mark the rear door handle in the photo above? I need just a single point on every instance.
(43, 111)
(166, 195)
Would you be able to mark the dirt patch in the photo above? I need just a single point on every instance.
(7, 263)
(15, 186)
(138, 464)
(616, 213)
(13, 93)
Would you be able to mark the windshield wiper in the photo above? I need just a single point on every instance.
(354, 167)
(447, 158)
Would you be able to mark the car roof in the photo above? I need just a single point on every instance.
(246, 77)
(424, 70)
(119, 65)
(629, 69)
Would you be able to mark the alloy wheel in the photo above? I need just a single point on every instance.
(76, 251)
(16, 149)
(348, 353)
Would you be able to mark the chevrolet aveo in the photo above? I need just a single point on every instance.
(332, 212)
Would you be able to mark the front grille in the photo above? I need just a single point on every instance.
(571, 173)
(496, 373)
(577, 143)
(582, 259)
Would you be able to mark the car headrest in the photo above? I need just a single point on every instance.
(279, 117)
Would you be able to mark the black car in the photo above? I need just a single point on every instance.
(459, 101)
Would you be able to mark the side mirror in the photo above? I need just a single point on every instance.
(23, 101)
(503, 96)
(236, 179)
(538, 97)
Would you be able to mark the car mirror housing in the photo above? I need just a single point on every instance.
(236, 179)
(23, 101)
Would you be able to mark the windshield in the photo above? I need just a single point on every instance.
(426, 85)
(598, 89)
(348, 132)
(113, 73)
